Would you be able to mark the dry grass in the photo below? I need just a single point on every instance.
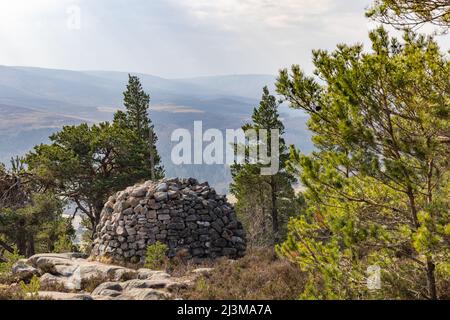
(260, 275)
(57, 287)
(110, 261)
(11, 293)
(90, 284)
(15, 292)
(181, 265)
(8, 278)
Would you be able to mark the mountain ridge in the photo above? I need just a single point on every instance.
(35, 102)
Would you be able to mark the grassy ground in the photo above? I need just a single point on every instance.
(259, 275)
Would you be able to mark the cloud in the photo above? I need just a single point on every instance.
(178, 38)
(236, 14)
(26, 27)
(266, 35)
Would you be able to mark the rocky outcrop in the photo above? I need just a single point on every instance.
(64, 276)
(191, 218)
(158, 289)
(24, 271)
(70, 270)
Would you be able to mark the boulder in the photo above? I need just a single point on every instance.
(133, 290)
(24, 271)
(145, 294)
(107, 288)
(142, 284)
(51, 281)
(148, 274)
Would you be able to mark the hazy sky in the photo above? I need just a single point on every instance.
(176, 38)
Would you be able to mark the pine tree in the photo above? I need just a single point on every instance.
(35, 227)
(412, 13)
(86, 164)
(378, 184)
(137, 104)
(264, 201)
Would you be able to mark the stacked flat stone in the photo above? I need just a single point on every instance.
(194, 221)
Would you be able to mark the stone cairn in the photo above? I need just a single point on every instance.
(189, 217)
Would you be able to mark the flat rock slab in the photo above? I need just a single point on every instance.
(68, 270)
(133, 290)
(53, 295)
(71, 269)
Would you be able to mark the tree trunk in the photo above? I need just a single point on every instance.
(30, 246)
(152, 157)
(430, 267)
(51, 246)
(275, 222)
(412, 205)
(22, 244)
(262, 237)
(431, 280)
(95, 219)
(6, 246)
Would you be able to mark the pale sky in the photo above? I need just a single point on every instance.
(176, 38)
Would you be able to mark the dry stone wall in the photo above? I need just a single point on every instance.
(190, 217)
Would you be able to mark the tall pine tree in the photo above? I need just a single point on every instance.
(264, 203)
(137, 104)
(378, 184)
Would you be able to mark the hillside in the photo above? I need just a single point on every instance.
(35, 102)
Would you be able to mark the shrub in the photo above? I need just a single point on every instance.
(260, 275)
(180, 265)
(64, 244)
(91, 283)
(11, 293)
(17, 292)
(155, 257)
(54, 286)
(31, 291)
(6, 275)
(11, 259)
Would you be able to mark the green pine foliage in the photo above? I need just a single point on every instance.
(264, 203)
(411, 13)
(64, 244)
(155, 257)
(137, 104)
(36, 227)
(86, 164)
(377, 186)
(10, 259)
(31, 291)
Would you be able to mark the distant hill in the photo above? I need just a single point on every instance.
(248, 86)
(34, 102)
